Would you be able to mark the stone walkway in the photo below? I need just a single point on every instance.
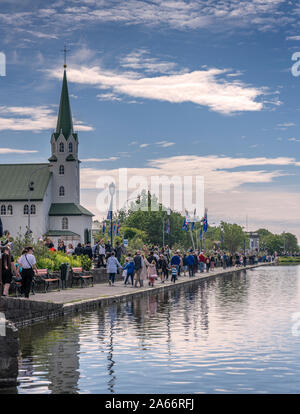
(104, 291)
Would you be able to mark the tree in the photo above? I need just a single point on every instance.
(233, 237)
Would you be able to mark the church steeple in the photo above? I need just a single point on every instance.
(64, 121)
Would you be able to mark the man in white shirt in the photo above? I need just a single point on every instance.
(28, 263)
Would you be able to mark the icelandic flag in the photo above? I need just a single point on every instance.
(205, 224)
(185, 225)
(103, 227)
(118, 227)
(168, 226)
(194, 220)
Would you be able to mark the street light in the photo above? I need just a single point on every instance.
(112, 189)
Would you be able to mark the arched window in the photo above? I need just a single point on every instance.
(65, 223)
(3, 210)
(70, 147)
(61, 170)
(9, 210)
(26, 209)
(32, 209)
(61, 147)
(62, 190)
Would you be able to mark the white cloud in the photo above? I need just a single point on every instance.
(32, 118)
(100, 159)
(286, 124)
(165, 144)
(15, 151)
(209, 87)
(140, 60)
(293, 38)
(293, 139)
(144, 145)
(225, 194)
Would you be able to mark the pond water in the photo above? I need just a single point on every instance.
(230, 334)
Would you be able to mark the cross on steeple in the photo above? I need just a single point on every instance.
(65, 50)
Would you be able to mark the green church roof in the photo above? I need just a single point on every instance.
(64, 121)
(15, 178)
(68, 209)
(61, 233)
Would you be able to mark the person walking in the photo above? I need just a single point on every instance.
(78, 250)
(8, 268)
(152, 273)
(112, 266)
(212, 262)
(190, 262)
(202, 262)
(118, 251)
(163, 268)
(28, 263)
(129, 267)
(207, 262)
(174, 273)
(138, 267)
(176, 261)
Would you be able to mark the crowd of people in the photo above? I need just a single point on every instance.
(159, 264)
(148, 264)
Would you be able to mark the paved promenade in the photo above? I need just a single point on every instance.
(98, 292)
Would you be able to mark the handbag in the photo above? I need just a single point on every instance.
(124, 274)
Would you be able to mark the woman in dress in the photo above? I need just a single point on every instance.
(8, 268)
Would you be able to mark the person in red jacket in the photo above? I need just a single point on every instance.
(202, 261)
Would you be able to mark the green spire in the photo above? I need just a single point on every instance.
(64, 121)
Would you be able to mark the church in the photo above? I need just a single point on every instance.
(45, 198)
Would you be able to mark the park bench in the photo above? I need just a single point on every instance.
(43, 276)
(78, 275)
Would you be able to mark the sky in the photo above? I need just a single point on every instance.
(200, 87)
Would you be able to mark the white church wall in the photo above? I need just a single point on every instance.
(76, 224)
(18, 221)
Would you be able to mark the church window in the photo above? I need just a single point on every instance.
(65, 223)
(70, 147)
(61, 147)
(61, 169)
(10, 210)
(26, 209)
(62, 190)
(32, 209)
(3, 210)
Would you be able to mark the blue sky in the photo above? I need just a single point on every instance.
(186, 87)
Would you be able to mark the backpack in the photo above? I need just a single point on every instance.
(137, 262)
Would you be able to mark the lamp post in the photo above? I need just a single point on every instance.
(30, 187)
(112, 189)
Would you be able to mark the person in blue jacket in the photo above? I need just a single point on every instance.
(190, 262)
(129, 266)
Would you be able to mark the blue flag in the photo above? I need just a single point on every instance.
(205, 224)
(109, 215)
(103, 227)
(185, 225)
(168, 227)
(118, 226)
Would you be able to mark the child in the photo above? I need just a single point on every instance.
(152, 274)
(128, 270)
(174, 273)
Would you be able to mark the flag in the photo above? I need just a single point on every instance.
(114, 228)
(103, 228)
(185, 225)
(118, 227)
(168, 226)
(109, 215)
(205, 224)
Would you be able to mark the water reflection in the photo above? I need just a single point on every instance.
(225, 334)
